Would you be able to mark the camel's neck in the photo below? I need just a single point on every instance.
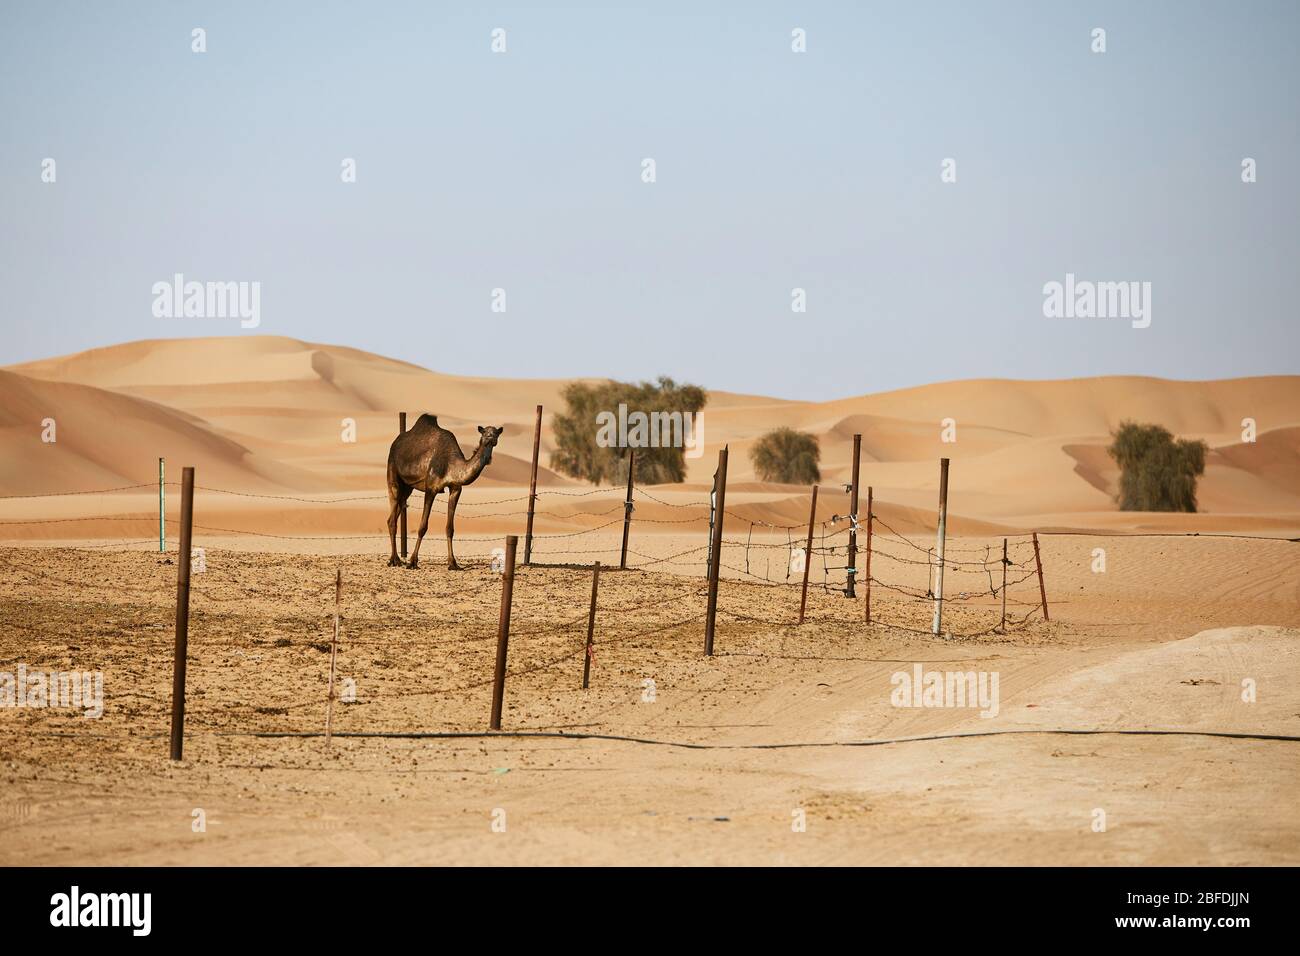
(469, 468)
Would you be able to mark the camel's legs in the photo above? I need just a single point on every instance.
(398, 492)
(453, 497)
(424, 526)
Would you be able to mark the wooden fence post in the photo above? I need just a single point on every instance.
(1003, 626)
(1042, 590)
(162, 506)
(715, 553)
(807, 553)
(867, 582)
(851, 572)
(532, 489)
(401, 430)
(334, 653)
(181, 650)
(627, 508)
(943, 535)
(503, 632)
(591, 627)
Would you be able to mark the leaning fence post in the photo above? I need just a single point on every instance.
(851, 572)
(334, 653)
(868, 574)
(715, 554)
(591, 627)
(503, 632)
(627, 508)
(162, 509)
(807, 553)
(532, 489)
(1042, 590)
(401, 430)
(181, 649)
(943, 534)
(1003, 626)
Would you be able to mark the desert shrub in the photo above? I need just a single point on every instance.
(578, 452)
(1157, 471)
(787, 456)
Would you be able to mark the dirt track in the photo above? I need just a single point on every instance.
(1119, 654)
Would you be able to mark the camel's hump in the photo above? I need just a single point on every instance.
(427, 419)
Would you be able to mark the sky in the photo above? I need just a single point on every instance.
(775, 170)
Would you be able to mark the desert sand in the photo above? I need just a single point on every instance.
(787, 724)
(265, 414)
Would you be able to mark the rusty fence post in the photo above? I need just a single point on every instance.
(532, 489)
(1003, 626)
(851, 572)
(1042, 590)
(867, 576)
(591, 628)
(807, 554)
(503, 632)
(181, 650)
(715, 552)
(627, 508)
(939, 545)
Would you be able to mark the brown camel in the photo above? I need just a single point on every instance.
(428, 457)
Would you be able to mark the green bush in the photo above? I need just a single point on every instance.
(579, 454)
(1157, 471)
(787, 456)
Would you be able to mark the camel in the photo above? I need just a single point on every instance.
(428, 457)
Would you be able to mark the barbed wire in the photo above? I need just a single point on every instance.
(97, 491)
(980, 561)
(1020, 538)
(690, 504)
(623, 612)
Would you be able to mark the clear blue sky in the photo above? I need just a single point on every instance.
(775, 170)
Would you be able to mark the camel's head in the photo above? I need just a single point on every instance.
(488, 436)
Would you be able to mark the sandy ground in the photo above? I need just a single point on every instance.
(1162, 640)
(289, 440)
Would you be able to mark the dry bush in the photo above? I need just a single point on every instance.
(1157, 471)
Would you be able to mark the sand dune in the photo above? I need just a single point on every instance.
(262, 412)
(103, 439)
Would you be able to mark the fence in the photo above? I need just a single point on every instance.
(890, 558)
(744, 557)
